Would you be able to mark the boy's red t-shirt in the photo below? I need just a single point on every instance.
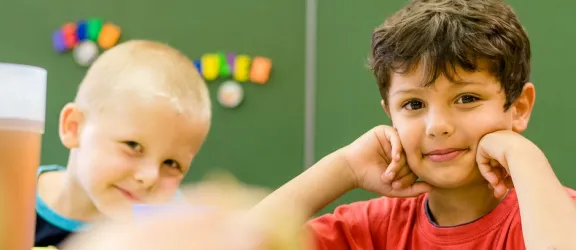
(403, 223)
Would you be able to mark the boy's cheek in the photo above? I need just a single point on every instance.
(170, 182)
(166, 189)
(410, 143)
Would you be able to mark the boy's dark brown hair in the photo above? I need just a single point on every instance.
(440, 35)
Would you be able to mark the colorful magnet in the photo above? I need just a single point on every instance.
(198, 65)
(85, 53)
(82, 30)
(260, 72)
(94, 27)
(58, 41)
(242, 68)
(109, 35)
(69, 33)
(230, 94)
(224, 67)
(210, 66)
(231, 59)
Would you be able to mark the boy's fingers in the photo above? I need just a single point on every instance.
(402, 162)
(392, 170)
(420, 187)
(483, 166)
(494, 163)
(491, 177)
(489, 173)
(413, 190)
(396, 169)
(404, 171)
(500, 190)
(394, 139)
(397, 159)
(502, 172)
(406, 181)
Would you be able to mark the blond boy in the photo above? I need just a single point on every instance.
(139, 118)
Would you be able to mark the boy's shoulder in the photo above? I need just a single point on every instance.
(48, 175)
(48, 179)
(382, 206)
(368, 213)
(357, 223)
(49, 168)
(385, 207)
(51, 227)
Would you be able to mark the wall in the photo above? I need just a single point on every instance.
(260, 142)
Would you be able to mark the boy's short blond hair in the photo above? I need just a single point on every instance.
(123, 70)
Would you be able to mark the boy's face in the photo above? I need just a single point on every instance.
(137, 152)
(440, 126)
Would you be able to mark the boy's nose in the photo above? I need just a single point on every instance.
(147, 175)
(439, 124)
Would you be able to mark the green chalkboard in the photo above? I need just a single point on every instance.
(260, 142)
(348, 98)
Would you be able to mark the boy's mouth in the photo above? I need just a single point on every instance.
(444, 155)
(129, 195)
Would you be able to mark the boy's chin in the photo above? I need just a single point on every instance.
(454, 181)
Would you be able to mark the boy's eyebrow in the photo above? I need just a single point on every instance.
(421, 88)
(468, 83)
(408, 91)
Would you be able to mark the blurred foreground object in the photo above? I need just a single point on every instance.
(22, 113)
(227, 225)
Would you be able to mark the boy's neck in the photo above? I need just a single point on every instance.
(452, 207)
(72, 202)
(65, 196)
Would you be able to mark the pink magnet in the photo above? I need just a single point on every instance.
(230, 59)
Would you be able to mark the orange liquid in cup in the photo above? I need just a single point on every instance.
(19, 161)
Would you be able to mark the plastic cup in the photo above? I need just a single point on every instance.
(22, 117)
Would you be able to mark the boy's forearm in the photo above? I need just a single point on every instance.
(312, 190)
(548, 213)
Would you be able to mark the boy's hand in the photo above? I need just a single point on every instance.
(491, 159)
(378, 163)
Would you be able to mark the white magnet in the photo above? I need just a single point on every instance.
(230, 94)
(85, 53)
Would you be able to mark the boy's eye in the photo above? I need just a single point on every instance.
(467, 99)
(172, 164)
(413, 105)
(134, 145)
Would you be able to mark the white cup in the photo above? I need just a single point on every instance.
(22, 118)
(22, 97)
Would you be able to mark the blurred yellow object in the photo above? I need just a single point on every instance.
(242, 68)
(230, 225)
(210, 66)
(45, 248)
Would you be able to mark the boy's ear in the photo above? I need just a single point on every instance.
(522, 108)
(385, 108)
(69, 127)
